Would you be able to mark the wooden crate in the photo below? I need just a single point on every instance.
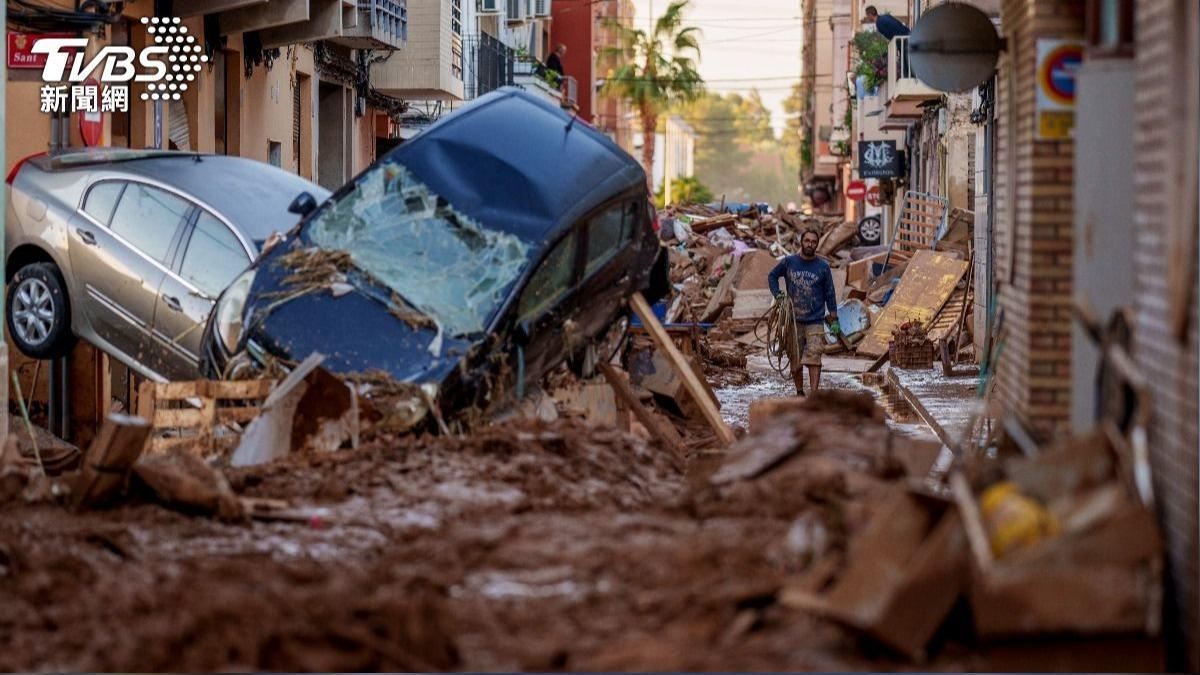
(187, 414)
(912, 355)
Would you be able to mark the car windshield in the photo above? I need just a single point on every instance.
(446, 264)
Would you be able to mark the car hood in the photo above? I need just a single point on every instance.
(356, 332)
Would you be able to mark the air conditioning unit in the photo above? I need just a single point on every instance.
(541, 7)
(489, 6)
(515, 11)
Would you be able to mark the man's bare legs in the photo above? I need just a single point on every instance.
(814, 377)
(798, 378)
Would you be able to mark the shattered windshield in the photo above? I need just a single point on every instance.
(437, 258)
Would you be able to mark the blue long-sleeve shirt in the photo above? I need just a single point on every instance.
(809, 286)
(889, 26)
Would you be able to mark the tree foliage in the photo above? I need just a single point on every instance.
(655, 69)
(685, 190)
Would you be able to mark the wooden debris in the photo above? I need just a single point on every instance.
(109, 459)
(188, 414)
(695, 388)
(926, 285)
(662, 430)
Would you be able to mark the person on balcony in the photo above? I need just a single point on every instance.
(887, 25)
(554, 63)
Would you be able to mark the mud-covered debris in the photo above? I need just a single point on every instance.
(314, 268)
(180, 480)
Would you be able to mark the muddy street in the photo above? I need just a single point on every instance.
(532, 546)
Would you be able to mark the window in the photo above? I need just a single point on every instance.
(275, 153)
(147, 218)
(551, 281)
(606, 233)
(214, 256)
(101, 199)
(1110, 27)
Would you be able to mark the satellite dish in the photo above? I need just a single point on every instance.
(954, 47)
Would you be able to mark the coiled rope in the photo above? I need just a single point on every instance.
(777, 328)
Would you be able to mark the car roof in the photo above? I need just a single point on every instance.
(519, 164)
(253, 195)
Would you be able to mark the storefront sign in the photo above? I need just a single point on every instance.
(1057, 64)
(20, 49)
(878, 159)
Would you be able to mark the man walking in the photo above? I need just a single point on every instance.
(811, 292)
(887, 25)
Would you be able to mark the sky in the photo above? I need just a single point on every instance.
(745, 44)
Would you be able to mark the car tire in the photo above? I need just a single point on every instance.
(38, 312)
(870, 231)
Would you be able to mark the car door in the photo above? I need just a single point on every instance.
(607, 257)
(119, 245)
(212, 256)
(542, 307)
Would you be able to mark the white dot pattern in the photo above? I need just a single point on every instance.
(183, 54)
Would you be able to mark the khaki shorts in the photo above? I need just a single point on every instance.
(810, 344)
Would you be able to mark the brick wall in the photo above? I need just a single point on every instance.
(1164, 52)
(1033, 227)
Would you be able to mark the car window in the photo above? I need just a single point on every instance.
(147, 218)
(101, 199)
(551, 281)
(607, 232)
(214, 256)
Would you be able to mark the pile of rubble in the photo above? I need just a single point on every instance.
(720, 262)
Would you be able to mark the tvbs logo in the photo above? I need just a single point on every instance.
(166, 67)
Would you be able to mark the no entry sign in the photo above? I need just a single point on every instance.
(856, 190)
(873, 195)
(1057, 64)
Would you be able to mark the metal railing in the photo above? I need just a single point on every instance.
(899, 67)
(570, 92)
(387, 16)
(488, 64)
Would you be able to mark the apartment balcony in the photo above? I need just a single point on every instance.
(570, 94)
(487, 65)
(361, 24)
(905, 95)
(529, 75)
(377, 24)
(430, 67)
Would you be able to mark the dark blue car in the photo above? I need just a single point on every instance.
(491, 247)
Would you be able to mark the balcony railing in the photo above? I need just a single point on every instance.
(570, 93)
(488, 64)
(901, 80)
(381, 24)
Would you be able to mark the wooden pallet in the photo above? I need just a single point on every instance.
(186, 414)
(918, 224)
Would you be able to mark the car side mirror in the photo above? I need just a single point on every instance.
(303, 204)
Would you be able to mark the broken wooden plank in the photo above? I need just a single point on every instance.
(656, 427)
(697, 390)
(109, 459)
(926, 285)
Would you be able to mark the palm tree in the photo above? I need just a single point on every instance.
(655, 70)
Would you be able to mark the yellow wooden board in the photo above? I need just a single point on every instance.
(928, 282)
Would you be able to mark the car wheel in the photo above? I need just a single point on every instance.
(870, 231)
(38, 312)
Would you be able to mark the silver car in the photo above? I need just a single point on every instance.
(128, 249)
